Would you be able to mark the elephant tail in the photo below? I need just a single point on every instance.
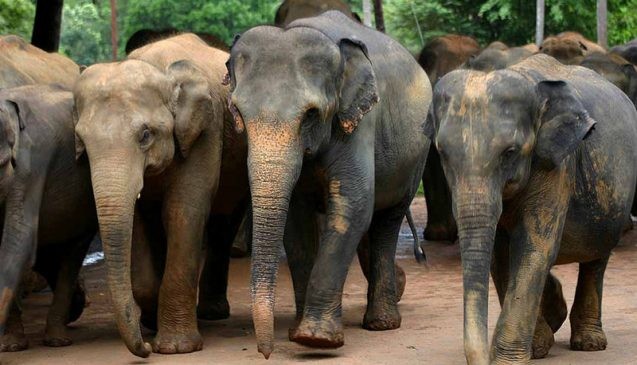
(419, 253)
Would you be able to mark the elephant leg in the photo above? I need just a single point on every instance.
(363, 259)
(241, 245)
(14, 339)
(553, 312)
(185, 221)
(586, 315)
(301, 243)
(55, 334)
(441, 225)
(382, 293)
(348, 217)
(213, 285)
(147, 262)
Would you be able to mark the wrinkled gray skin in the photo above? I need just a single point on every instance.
(545, 175)
(153, 127)
(43, 189)
(496, 59)
(331, 110)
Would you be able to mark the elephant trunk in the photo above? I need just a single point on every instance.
(116, 186)
(274, 168)
(477, 213)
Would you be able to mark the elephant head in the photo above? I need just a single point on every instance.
(490, 129)
(615, 69)
(134, 120)
(292, 90)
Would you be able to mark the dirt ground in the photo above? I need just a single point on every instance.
(431, 311)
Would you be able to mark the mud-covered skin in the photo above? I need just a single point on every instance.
(553, 184)
(569, 47)
(154, 130)
(24, 64)
(45, 189)
(331, 156)
(440, 56)
(143, 37)
(291, 10)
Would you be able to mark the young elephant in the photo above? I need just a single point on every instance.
(542, 164)
(48, 206)
(330, 108)
(153, 129)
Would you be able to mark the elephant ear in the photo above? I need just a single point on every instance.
(564, 122)
(359, 92)
(630, 71)
(191, 104)
(80, 148)
(15, 123)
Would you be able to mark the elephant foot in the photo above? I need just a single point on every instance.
(177, 343)
(401, 282)
(57, 338)
(324, 334)
(543, 339)
(383, 319)
(12, 342)
(589, 338)
(213, 309)
(441, 232)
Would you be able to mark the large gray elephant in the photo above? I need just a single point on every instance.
(331, 110)
(153, 127)
(291, 10)
(49, 217)
(542, 164)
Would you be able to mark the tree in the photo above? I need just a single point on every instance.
(86, 33)
(16, 17)
(47, 25)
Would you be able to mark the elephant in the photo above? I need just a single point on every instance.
(24, 64)
(627, 51)
(330, 109)
(440, 56)
(43, 189)
(495, 59)
(292, 10)
(545, 175)
(446, 53)
(569, 47)
(154, 128)
(146, 36)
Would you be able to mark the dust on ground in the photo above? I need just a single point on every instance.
(431, 309)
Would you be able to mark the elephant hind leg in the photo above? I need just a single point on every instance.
(586, 315)
(553, 312)
(14, 339)
(441, 225)
(64, 294)
(384, 287)
(363, 259)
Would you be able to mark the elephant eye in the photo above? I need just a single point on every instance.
(509, 154)
(311, 114)
(145, 136)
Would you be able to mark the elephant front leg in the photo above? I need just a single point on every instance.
(586, 315)
(14, 339)
(177, 315)
(348, 217)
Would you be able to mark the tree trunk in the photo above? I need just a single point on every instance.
(114, 35)
(602, 23)
(380, 18)
(47, 25)
(367, 13)
(539, 23)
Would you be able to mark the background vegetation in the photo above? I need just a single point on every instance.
(86, 24)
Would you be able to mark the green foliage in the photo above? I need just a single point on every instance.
(622, 21)
(86, 32)
(16, 17)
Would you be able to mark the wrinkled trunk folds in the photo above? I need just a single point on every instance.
(477, 214)
(116, 186)
(274, 168)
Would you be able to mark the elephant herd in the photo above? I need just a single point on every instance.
(322, 129)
